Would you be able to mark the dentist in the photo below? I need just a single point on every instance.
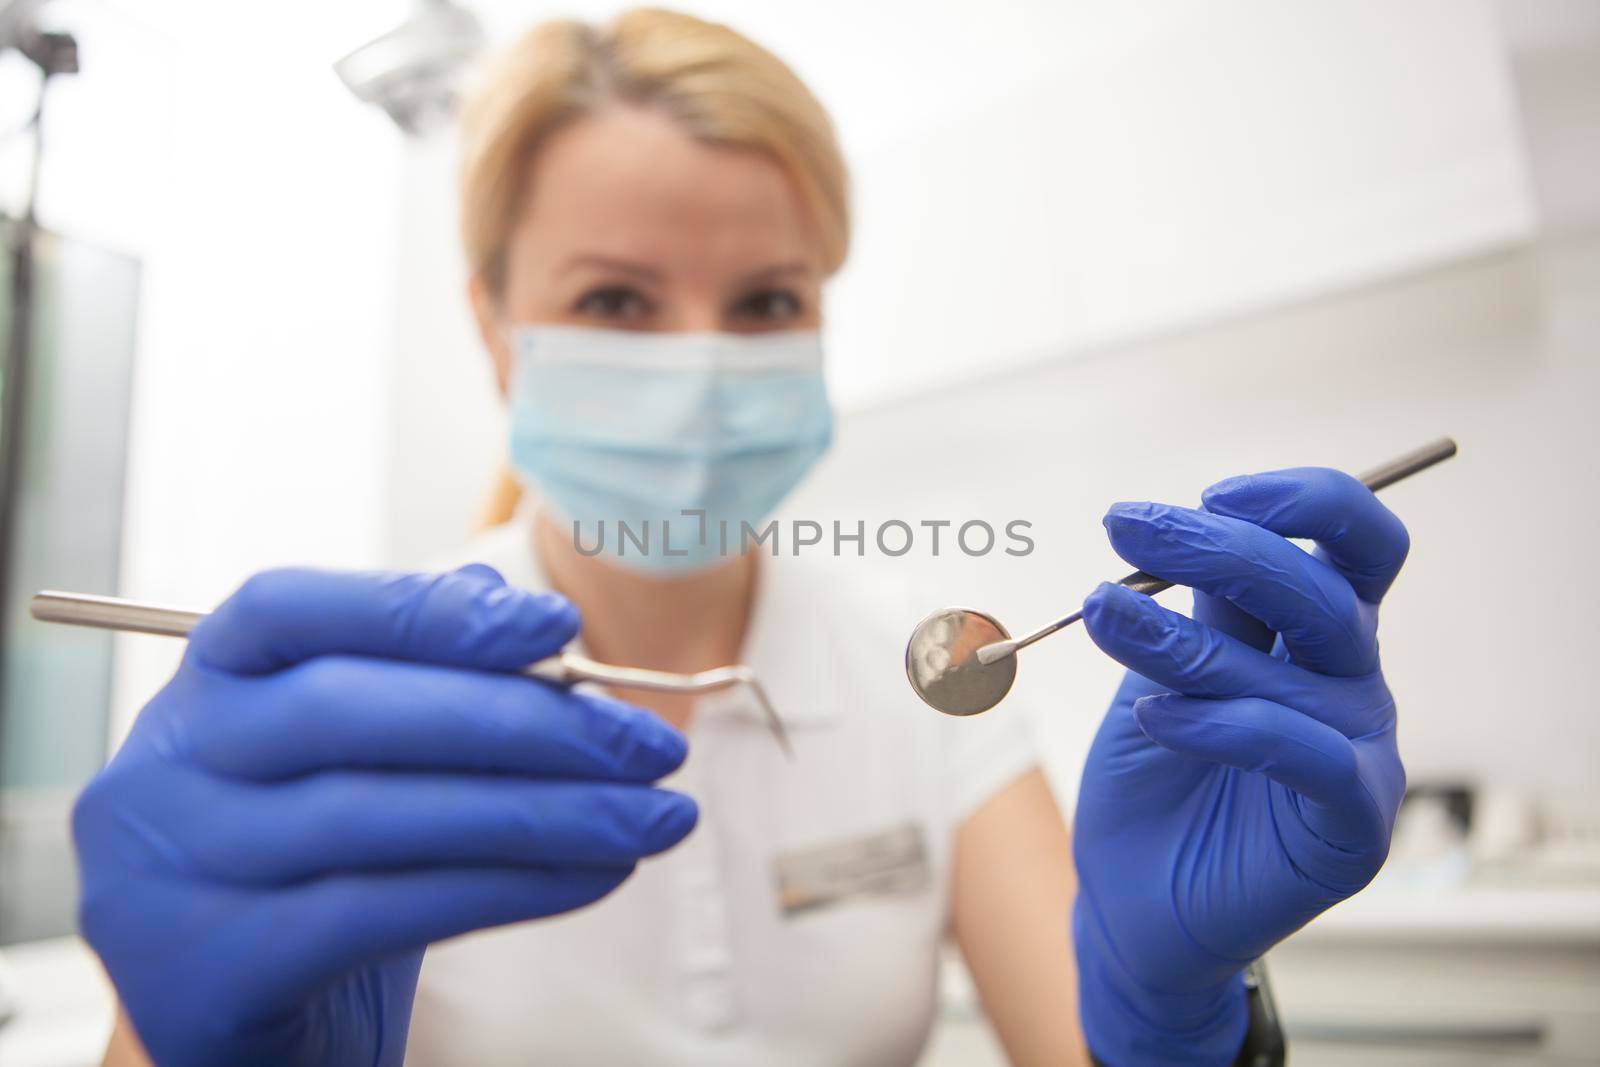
(345, 771)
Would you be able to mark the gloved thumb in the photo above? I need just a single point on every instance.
(465, 618)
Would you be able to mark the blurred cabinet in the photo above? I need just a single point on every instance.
(1504, 977)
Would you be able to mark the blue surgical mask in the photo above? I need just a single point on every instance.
(620, 432)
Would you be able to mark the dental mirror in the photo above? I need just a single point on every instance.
(963, 662)
(942, 662)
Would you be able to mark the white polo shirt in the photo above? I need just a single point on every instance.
(800, 922)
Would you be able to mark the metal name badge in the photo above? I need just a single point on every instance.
(892, 863)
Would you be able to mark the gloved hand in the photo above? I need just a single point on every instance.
(1245, 778)
(340, 772)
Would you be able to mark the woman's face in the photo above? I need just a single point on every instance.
(629, 223)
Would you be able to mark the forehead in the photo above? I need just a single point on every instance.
(630, 182)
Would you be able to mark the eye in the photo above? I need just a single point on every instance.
(613, 303)
(768, 306)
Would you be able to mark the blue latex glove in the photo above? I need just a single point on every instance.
(341, 772)
(1245, 778)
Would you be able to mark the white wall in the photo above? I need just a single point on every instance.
(446, 434)
(1228, 156)
(1036, 177)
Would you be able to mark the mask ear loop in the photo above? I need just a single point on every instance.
(512, 495)
(507, 333)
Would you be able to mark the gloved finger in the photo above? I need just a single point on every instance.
(1331, 819)
(1324, 625)
(463, 618)
(1219, 614)
(1257, 735)
(338, 711)
(1360, 537)
(1192, 659)
(356, 821)
(309, 934)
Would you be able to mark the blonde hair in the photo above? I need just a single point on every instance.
(722, 87)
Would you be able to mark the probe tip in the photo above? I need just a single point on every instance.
(994, 653)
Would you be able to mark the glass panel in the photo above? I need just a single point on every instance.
(55, 682)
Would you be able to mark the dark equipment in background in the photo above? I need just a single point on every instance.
(68, 312)
(54, 54)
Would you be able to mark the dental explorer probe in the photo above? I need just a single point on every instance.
(564, 668)
(1140, 582)
(962, 662)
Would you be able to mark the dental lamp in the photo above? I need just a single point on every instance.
(53, 53)
(413, 72)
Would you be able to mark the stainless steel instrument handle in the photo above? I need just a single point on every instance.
(1377, 478)
(565, 668)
